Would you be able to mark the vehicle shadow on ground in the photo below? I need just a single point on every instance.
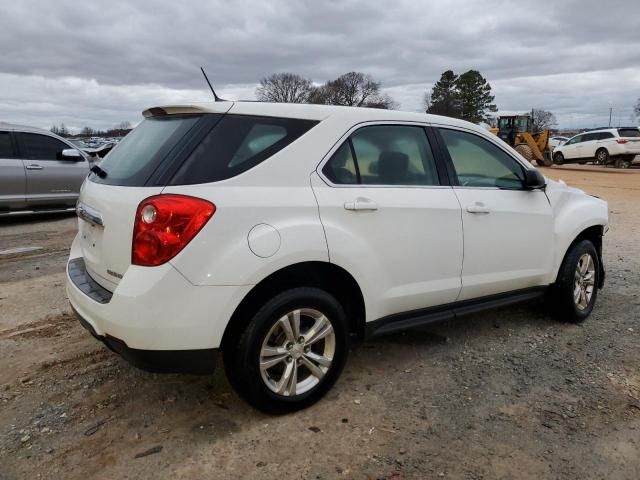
(12, 220)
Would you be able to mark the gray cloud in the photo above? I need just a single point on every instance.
(99, 63)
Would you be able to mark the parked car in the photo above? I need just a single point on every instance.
(615, 146)
(279, 233)
(557, 141)
(39, 171)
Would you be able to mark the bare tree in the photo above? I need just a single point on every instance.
(636, 109)
(354, 89)
(284, 88)
(124, 125)
(542, 120)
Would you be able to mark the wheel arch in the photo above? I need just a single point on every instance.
(594, 234)
(328, 276)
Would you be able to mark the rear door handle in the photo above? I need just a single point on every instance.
(478, 208)
(361, 204)
(34, 166)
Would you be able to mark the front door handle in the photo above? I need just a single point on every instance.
(478, 207)
(361, 204)
(34, 166)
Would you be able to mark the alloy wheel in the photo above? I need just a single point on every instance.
(584, 281)
(297, 352)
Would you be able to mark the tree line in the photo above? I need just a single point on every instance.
(467, 96)
(353, 89)
(119, 130)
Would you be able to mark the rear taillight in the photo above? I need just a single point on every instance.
(622, 141)
(164, 225)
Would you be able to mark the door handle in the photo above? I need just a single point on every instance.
(361, 204)
(34, 166)
(478, 208)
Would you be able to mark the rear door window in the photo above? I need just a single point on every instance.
(6, 148)
(629, 132)
(590, 137)
(384, 155)
(236, 144)
(605, 135)
(34, 146)
(341, 168)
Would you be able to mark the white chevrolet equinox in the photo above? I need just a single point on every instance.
(278, 233)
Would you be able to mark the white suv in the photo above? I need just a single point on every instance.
(617, 146)
(278, 233)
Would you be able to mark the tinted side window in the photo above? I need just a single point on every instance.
(479, 163)
(341, 168)
(394, 155)
(6, 149)
(605, 135)
(575, 140)
(34, 146)
(236, 144)
(590, 137)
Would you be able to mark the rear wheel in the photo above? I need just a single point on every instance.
(574, 294)
(291, 353)
(622, 163)
(602, 156)
(558, 158)
(525, 151)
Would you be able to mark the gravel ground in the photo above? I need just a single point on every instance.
(506, 394)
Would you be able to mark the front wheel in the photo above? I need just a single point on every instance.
(574, 294)
(558, 158)
(291, 353)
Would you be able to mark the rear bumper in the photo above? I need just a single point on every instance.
(153, 308)
(199, 362)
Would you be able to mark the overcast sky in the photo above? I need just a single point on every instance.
(99, 63)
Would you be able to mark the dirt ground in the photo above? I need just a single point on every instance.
(506, 394)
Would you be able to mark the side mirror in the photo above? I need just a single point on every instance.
(70, 154)
(533, 179)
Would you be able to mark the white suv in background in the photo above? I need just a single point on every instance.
(617, 146)
(278, 233)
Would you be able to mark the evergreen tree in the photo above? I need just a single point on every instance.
(475, 97)
(445, 98)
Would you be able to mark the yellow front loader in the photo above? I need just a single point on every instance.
(517, 131)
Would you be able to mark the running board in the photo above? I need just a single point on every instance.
(418, 318)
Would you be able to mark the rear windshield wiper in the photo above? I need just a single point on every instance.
(98, 171)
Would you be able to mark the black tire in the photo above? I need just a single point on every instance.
(602, 156)
(525, 150)
(560, 297)
(558, 158)
(622, 163)
(241, 356)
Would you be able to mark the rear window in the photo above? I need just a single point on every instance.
(629, 132)
(236, 144)
(140, 153)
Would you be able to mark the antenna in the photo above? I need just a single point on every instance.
(216, 97)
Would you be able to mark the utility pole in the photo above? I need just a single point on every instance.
(610, 110)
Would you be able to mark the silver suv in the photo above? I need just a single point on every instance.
(39, 171)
